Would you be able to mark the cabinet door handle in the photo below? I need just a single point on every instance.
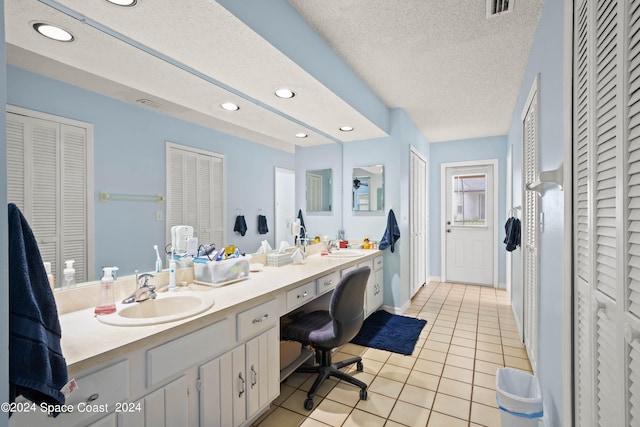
(254, 376)
(303, 295)
(329, 283)
(260, 319)
(241, 387)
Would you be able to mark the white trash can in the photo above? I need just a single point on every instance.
(519, 398)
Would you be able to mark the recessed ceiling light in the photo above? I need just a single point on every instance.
(123, 2)
(285, 93)
(53, 32)
(346, 128)
(230, 106)
(301, 135)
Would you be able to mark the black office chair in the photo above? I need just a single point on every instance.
(326, 330)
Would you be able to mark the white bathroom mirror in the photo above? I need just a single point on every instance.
(367, 188)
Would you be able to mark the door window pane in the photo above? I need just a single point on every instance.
(469, 200)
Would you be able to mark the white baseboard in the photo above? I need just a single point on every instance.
(434, 279)
(397, 310)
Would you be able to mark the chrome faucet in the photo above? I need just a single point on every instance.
(332, 245)
(144, 291)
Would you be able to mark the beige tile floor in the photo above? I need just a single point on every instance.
(448, 381)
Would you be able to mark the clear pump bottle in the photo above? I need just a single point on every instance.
(107, 300)
(47, 267)
(69, 274)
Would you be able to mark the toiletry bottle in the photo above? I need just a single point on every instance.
(69, 274)
(106, 300)
(158, 260)
(172, 272)
(47, 267)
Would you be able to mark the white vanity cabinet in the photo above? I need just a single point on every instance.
(167, 406)
(374, 295)
(237, 385)
(375, 287)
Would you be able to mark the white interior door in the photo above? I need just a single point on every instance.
(469, 223)
(285, 204)
(418, 221)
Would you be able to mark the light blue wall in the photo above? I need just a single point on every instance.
(393, 153)
(462, 151)
(313, 158)
(129, 157)
(546, 59)
(4, 272)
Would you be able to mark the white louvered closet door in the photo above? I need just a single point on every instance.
(606, 190)
(530, 215)
(47, 170)
(195, 193)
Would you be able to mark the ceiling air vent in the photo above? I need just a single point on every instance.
(148, 103)
(499, 7)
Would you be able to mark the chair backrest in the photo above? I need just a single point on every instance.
(347, 304)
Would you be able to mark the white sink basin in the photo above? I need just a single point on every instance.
(345, 253)
(165, 308)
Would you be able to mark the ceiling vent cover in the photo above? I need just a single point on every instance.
(148, 103)
(499, 7)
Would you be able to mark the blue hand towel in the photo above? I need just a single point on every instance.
(37, 369)
(241, 225)
(302, 230)
(391, 234)
(262, 224)
(512, 230)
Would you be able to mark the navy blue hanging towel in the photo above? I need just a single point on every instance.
(302, 232)
(391, 234)
(37, 368)
(512, 230)
(262, 224)
(241, 225)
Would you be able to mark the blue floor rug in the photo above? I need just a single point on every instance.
(391, 332)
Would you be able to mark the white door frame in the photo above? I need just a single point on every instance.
(510, 207)
(425, 218)
(443, 212)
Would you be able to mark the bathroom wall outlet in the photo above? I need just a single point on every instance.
(159, 216)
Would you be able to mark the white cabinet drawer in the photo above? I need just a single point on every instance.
(97, 394)
(368, 263)
(348, 269)
(175, 356)
(328, 282)
(301, 295)
(377, 263)
(257, 319)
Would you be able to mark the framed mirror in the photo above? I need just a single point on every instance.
(367, 188)
(319, 190)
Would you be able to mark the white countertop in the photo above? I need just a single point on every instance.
(87, 342)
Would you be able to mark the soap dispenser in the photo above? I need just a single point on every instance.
(69, 274)
(107, 300)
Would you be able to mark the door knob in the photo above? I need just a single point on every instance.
(448, 230)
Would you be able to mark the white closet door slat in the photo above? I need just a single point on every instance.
(74, 199)
(15, 160)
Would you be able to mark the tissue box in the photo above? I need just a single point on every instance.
(221, 272)
(278, 260)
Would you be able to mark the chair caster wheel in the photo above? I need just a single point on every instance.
(308, 404)
(359, 366)
(363, 394)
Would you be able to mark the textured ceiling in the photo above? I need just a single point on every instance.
(456, 73)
